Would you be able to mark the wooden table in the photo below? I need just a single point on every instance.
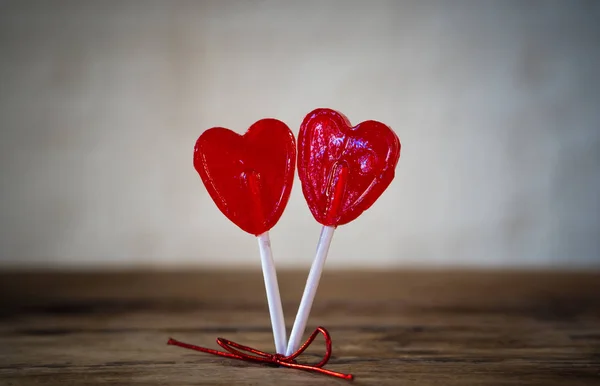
(388, 328)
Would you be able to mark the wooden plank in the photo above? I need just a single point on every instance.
(388, 328)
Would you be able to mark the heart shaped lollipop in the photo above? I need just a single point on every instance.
(248, 176)
(344, 169)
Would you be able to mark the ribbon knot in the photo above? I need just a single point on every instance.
(249, 354)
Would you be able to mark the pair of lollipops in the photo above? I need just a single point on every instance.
(343, 171)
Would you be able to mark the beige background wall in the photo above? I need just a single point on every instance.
(497, 104)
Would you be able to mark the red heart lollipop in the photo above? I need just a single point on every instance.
(248, 176)
(344, 169)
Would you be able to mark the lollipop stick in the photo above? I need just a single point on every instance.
(336, 190)
(268, 266)
(272, 288)
(310, 290)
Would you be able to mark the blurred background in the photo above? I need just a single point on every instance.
(497, 105)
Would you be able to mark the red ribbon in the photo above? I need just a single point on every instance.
(249, 354)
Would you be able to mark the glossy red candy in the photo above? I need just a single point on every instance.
(248, 176)
(344, 169)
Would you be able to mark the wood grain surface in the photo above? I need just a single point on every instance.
(388, 328)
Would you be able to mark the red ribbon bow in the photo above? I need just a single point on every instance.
(245, 353)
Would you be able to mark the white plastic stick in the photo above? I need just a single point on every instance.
(310, 290)
(272, 288)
